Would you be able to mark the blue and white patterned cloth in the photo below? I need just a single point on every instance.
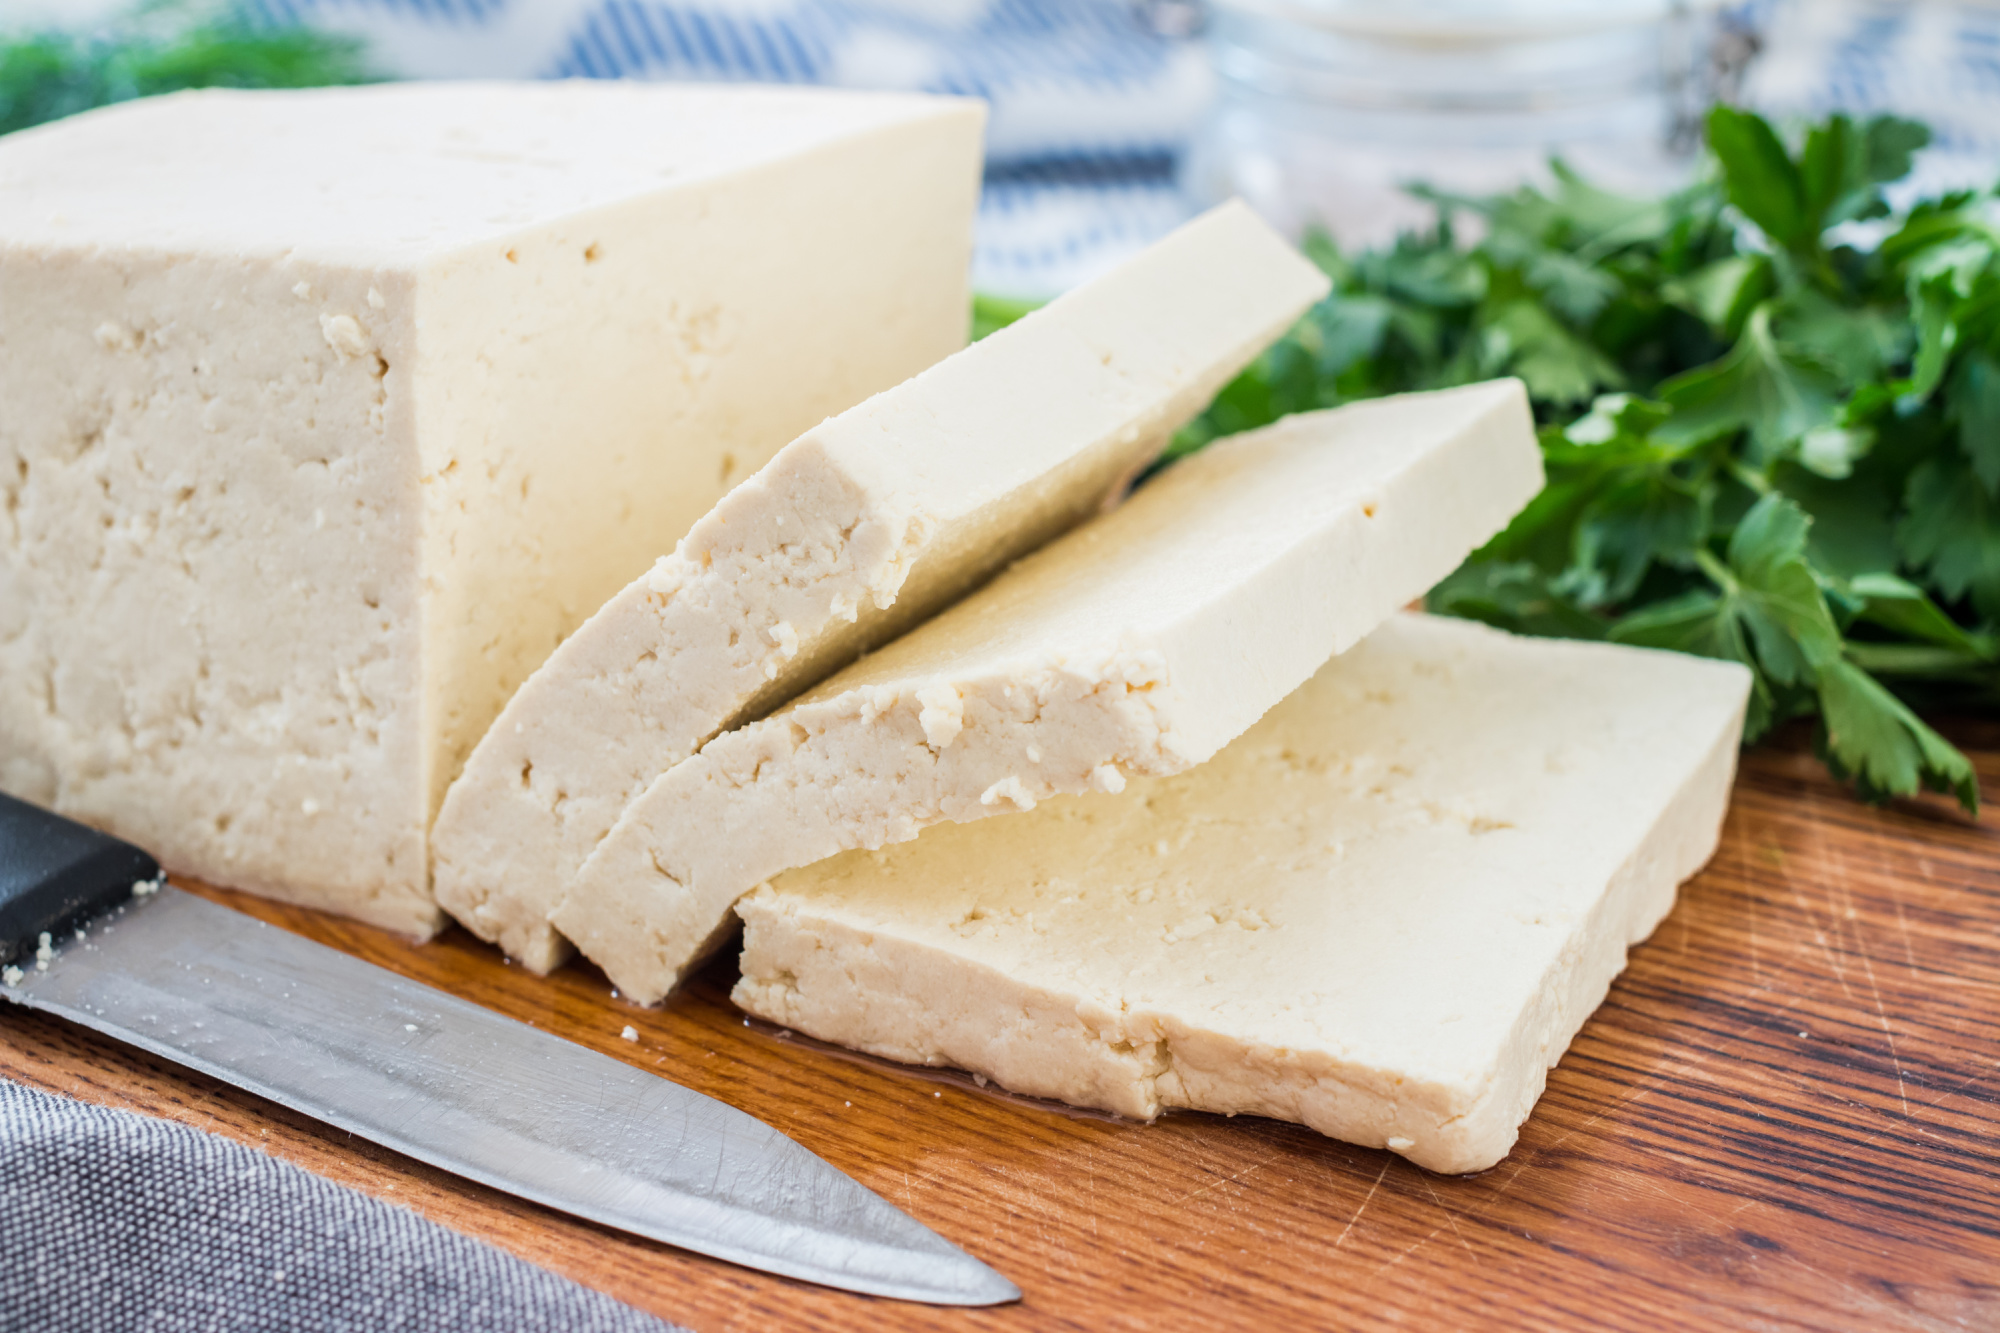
(1092, 107)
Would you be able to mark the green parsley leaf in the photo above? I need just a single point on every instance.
(1771, 390)
(1870, 736)
(1901, 606)
(1761, 178)
(1725, 292)
(1512, 596)
(990, 314)
(1975, 398)
(1952, 533)
(1524, 339)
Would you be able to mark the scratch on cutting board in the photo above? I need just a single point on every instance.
(1090, 1181)
(1862, 1292)
(1364, 1203)
(1412, 1250)
(1903, 924)
(1462, 1242)
(1835, 872)
(1882, 1013)
(909, 1199)
(1800, 1177)
(1860, 946)
(1756, 959)
(1820, 938)
(1225, 1180)
(1650, 1085)
(1027, 1191)
(1519, 1167)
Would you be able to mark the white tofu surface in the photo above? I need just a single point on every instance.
(1140, 643)
(857, 529)
(1384, 911)
(328, 414)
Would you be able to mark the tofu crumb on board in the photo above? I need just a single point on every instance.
(859, 528)
(329, 413)
(1391, 903)
(1139, 644)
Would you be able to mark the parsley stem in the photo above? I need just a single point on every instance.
(1717, 572)
(1752, 478)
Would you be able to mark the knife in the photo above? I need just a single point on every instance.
(91, 932)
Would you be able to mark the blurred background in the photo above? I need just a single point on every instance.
(1114, 119)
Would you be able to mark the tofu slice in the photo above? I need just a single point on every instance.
(1383, 912)
(857, 529)
(328, 414)
(1139, 644)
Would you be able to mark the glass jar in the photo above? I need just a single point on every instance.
(1327, 110)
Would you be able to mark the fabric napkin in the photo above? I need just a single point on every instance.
(116, 1221)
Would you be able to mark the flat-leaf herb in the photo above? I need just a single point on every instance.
(1770, 436)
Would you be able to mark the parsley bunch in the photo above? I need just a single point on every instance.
(1770, 414)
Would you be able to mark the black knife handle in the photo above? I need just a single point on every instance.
(55, 873)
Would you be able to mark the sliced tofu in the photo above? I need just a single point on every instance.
(1384, 911)
(1139, 644)
(860, 527)
(325, 415)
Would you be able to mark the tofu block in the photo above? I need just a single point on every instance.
(1384, 911)
(329, 414)
(1141, 643)
(857, 529)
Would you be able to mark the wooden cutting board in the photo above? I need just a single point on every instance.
(1787, 1115)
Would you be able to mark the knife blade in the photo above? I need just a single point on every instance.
(90, 932)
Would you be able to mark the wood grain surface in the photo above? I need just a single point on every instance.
(1787, 1115)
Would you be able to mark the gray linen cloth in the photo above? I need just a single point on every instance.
(116, 1221)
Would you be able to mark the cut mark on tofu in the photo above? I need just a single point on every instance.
(1115, 652)
(861, 527)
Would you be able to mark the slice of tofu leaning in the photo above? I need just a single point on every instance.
(858, 528)
(1383, 912)
(1139, 644)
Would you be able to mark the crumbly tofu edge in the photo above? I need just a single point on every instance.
(1086, 725)
(506, 840)
(141, 479)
